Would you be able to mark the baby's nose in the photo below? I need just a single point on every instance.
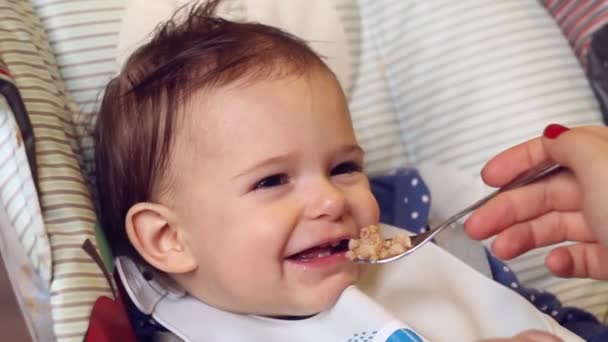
(327, 201)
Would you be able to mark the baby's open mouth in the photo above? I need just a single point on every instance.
(321, 251)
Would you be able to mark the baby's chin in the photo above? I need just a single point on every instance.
(300, 300)
(312, 301)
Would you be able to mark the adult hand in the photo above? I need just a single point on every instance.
(571, 206)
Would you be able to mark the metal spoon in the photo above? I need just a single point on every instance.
(540, 171)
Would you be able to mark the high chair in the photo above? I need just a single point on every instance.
(439, 85)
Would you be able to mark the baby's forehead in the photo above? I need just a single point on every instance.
(205, 116)
(208, 105)
(215, 115)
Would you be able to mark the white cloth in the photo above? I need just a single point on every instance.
(435, 294)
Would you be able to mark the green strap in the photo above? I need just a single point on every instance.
(104, 249)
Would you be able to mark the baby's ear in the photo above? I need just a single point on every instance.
(154, 232)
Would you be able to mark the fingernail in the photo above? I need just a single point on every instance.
(554, 130)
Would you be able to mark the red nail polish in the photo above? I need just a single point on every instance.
(554, 130)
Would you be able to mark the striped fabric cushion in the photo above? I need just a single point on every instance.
(83, 35)
(470, 78)
(579, 20)
(65, 199)
(373, 112)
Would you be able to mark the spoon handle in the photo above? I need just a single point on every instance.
(540, 171)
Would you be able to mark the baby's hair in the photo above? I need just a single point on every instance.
(141, 106)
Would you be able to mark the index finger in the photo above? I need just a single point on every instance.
(508, 164)
(512, 162)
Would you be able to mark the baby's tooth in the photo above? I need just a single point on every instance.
(323, 254)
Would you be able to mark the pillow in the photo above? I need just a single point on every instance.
(67, 210)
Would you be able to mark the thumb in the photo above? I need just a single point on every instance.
(585, 153)
(576, 148)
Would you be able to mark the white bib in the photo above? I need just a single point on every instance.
(427, 296)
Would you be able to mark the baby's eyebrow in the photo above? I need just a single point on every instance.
(265, 162)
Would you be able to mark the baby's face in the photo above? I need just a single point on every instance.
(268, 180)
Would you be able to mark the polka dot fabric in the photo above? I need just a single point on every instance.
(576, 320)
(404, 200)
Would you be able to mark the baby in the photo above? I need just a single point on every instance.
(230, 154)
(227, 162)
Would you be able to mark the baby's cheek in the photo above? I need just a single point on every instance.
(270, 229)
(365, 209)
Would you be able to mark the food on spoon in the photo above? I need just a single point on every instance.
(372, 246)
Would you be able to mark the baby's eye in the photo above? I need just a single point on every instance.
(345, 168)
(271, 181)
